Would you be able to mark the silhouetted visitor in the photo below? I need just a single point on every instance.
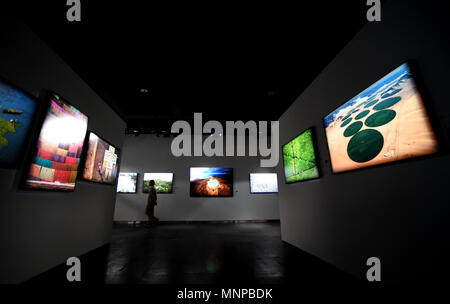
(151, 203)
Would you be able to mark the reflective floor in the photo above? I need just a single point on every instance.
(201, 253)
(205, 253)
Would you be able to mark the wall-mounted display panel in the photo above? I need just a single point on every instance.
(17, 110)
(385, 123)
(263, 183)
(163, 182)
(299, 158)
(211, 181)
(102, 161)
(127, 182)
(59, 147)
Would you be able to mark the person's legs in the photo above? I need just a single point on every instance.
(154, 218)
(151, 216)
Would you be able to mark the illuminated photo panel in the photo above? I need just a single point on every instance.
(385, 123)
(163, 182)
(299, 158)
(211, 181)
(102, 161)
(127, 182)
(17, 110)
(59, 147)
(263, 183)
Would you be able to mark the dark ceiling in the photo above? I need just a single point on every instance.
(224, 59)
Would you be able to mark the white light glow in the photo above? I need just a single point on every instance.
(127, 182)
(213, 183)
(63, 129)
(166, 177)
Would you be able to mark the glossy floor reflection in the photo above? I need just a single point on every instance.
(200, 253)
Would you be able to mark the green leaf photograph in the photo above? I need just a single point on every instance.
(300, 159)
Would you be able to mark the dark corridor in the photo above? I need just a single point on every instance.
(201, 253)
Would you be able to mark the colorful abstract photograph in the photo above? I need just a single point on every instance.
(300, 159)
(385, 123)
(59, 148)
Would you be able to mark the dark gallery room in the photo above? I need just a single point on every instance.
(223, 152)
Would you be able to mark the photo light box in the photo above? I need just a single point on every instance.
(57, 154)
(299, 158)
(263, 183)
(102, 161)
(163, 182)
(127, 182)
(211, 181)
(385, 123)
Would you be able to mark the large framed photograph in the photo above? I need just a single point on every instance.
(263, 183)
(385, 123)
(211, 181)
(17, 112)
(127, 182)
(101, 162)
(163, 182)
(299, 158)
(57, 155)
